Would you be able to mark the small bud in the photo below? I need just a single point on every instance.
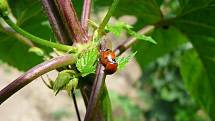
(4, 8)
(37, 51)
(62, 79)
(71, 86)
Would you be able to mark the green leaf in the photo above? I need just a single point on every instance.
(198, 81)
(86, 64)
(24, 10)
(78, 5)
(141, 36)
(196, 20)
(118, 28)
(167, 41)
(30, 17)
(122, 61)
(189, 6)
(16, 53)
(4, 9)
(106, 105)
(147, 11)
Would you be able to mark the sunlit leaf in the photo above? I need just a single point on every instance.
(86, 64)
(122, 61)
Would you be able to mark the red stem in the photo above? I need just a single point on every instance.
(68, 13)
(56, 22)
(33, 73)
(96, 92)
(86, 14)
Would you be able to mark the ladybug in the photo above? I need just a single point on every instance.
(108, 61)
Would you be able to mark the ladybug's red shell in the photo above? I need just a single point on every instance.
(108, 61)
(111, 67)
(107, 56)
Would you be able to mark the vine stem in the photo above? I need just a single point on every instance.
(95, 95)
(86, 14)
(33, 73)
(76, 105)
(70, 18)
(122, 47)
(12, 33)
(93, 112)
(107, 17)
(37, 39)
(56, 22)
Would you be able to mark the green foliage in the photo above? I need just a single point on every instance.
(197, 81)
(182, 21)
(120, 26)
(19, 55)
(122, 61)
(4, 8)
(141, 36)
(199, 27)
(125, 109)
(167, 41)
(86, 64)
(30, 17)
(106, 105)
(164, 94)
(78, 7)
(147, 11)
(191, 20)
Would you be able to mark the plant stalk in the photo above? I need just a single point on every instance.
(122, 47)
(107, 17)
(95, 95)
(70, 18)
(34, 73)
(37, 39)
(76, 105)
(56, 22)
(86, 14)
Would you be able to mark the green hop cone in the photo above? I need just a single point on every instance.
(71, 86)
(62, 80)
(4, 8)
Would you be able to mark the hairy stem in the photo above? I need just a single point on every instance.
(122, 47)
(107, 17)
(96, 92)
(86, 14)
(33, 73)
(70, 18)
(37, 39)
(56, 22)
